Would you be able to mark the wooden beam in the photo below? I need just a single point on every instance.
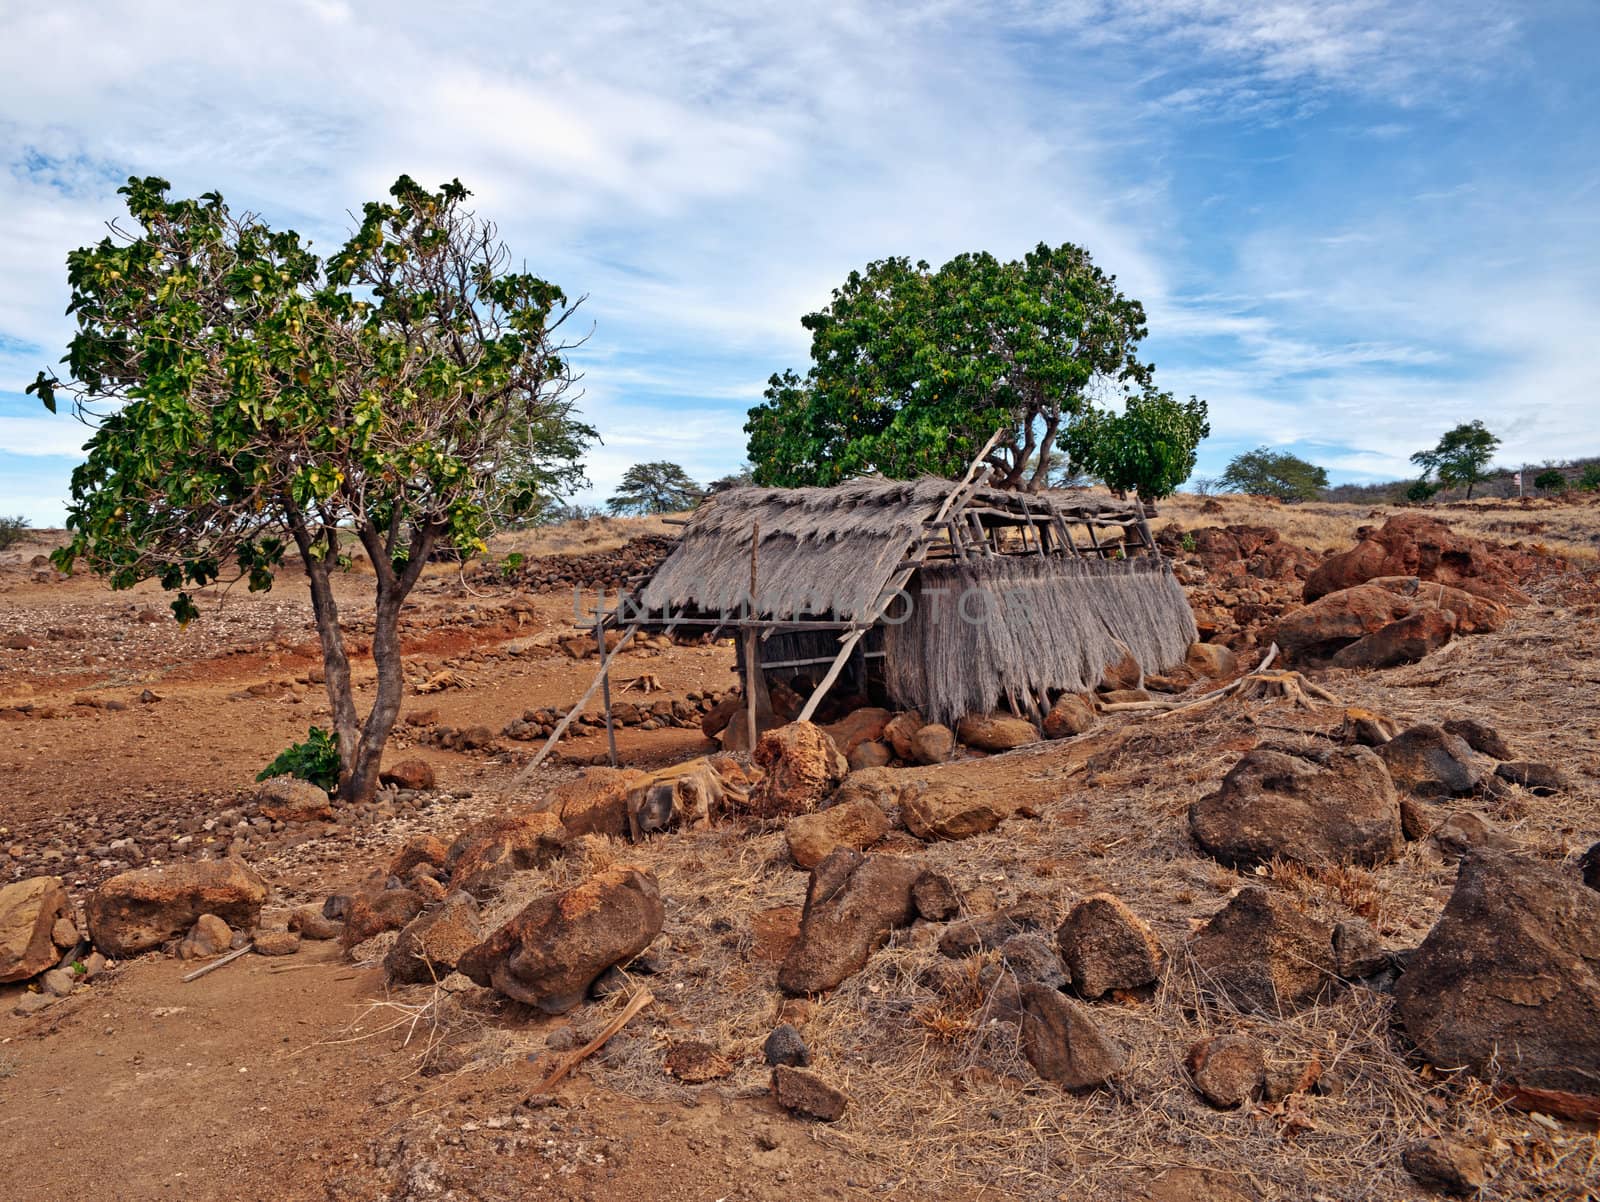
(561, 727)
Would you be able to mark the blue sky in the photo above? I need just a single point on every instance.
(1353, 223)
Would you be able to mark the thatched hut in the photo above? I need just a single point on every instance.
(947, 597)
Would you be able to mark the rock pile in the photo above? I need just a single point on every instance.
(598, 569)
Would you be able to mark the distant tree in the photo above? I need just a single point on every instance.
(912, 369)
(1590, 480)
(1205, 486)
(1264, 472)
(743, 478)
(1420, 492)
(1461, 458)
(407, 392)
(1551, 480)
(1148, 448)
(658, 487)
(12, 532)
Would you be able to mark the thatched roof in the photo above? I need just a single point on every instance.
(822, 549)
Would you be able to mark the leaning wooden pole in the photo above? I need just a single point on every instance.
(605, 683)
(966, 484)
(561, 727)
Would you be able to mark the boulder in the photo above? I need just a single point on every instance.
(853, 903)
(1315, 805)
(1107, 946)
(309, 922)
(414, 774)
(1589, 866)
(802, 765)
(1071, 715)
(1063, 1043)
(901, 729)
(1446, 1165)
(29, 911)
(1473, 614)
(1227, 1070)
(1507, 983)
(870, 755)
(800, 1091)
(276, 943)
(933, 744)
(935, 897)
(488, 852)
(985, 931)
(881, 786)
(945, 810)
(431, 944)
(596, 802)
(1481, 737)
(1261, 954)
(373, 911)
(1431, 763)
(1538, 778)
(209, 936)
(1314, 633)
(1462, 832)
(857, 727)
(1123, 672)
(1413, 637)
(137, 911)
(856, 824)
(1029, 956)
(1211, 659)
(419, 849)
(550, 953)
(715, 720)
(996, 732)
(1413, 544)
(287, 799)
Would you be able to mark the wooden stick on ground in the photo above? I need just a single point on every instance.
(1165, 707)
(637, 1003)
(216, 964)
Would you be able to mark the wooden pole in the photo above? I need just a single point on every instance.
(561, 727)
(752, 647)
(605, 681)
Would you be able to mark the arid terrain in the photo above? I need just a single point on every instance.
(129, 742)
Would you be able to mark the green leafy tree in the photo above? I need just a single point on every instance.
(1148, 448)
(13, 531)
(1590, 480)
(1551, 480)
(1461, 458)
(1264, 472)
(248, 396)
(658, 487)
(913, 369)
(1420, 492)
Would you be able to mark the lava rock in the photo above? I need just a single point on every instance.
(429, 947)
(286, 799)
(1227, 1070)
(485, 854)
(137, 911)
(1071, 715)
(29, 912)
(935, 897)
(1431, 763)
(1262, 954)
(785, 1045)
(1481, 737)
(941, 810)
(374, 911)
(1538, 778)
(549, 954)
(802, 766)
(855, 824)
(800, 1091)
(985, 931)
(1106, 946)
(933, 744)
(276, 943)
(210, 936)
(1445, 1165)
(1319, 806)
(1063, 1043)
(853, 903)
(996, 732)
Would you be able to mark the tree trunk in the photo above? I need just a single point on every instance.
(335, 664)
(361, 774)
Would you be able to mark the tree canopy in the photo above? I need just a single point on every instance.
(1148, 448)
(658, 487)
(1551, 480)
(1264, 472)
(405, 393)
(912, 369)
(1462, 456)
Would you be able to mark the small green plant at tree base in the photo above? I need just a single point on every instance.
(1590, 480)
(510, 565)
(12, 532)
(1551, 481)
(315, 760)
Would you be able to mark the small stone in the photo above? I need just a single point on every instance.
(58, 982)
(31, 1003)
(562, 1039)
(935, 897)
(1445, 1165)
(1357, 950)
(802, 1092)
(309, 921)
(1537, 778)
(1228, 1070)
(277, 943)
(64, 934)
(1063, 1043)
(210, 936)
(695, 1062)
(785, 1045)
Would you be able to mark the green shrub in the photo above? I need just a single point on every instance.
(315, 760)
(1187, 541)
(1550, 481)
(1421, 491)
(1590, 480)
(12, 532)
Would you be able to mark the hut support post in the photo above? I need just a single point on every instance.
(605, 683)
(757, 704)
(561, 727)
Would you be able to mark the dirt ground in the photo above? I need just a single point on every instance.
(306, 1077)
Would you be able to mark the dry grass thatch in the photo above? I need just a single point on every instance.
(986, 630)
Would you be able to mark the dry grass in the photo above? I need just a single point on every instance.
(1569, 527)
(943, 1101)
